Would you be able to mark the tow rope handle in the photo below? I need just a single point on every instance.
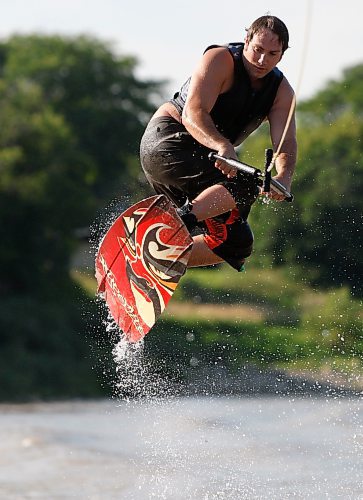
(257, 173)
(267, 179)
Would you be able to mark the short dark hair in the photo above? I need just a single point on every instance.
(272, 23)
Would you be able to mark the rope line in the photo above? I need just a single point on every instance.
(308, 17)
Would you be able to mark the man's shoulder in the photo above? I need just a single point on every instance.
(285, 86)
(235, 48)
(276, 73)
(220, 55)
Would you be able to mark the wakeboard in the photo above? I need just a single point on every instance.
(139, 263)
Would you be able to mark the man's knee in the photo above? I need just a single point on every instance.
(233, 242)
(246, 240)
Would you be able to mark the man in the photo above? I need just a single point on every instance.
(232, 91)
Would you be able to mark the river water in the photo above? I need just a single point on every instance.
(198, 448)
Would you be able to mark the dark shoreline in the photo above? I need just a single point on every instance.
(253, 380)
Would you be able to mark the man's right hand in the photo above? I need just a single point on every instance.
(227, 151)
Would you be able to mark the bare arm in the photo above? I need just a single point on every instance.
(213, 76)
(278, 118)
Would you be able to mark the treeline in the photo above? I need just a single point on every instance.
(320, 235)
(72, 116)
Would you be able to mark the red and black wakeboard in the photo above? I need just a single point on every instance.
(140, 262)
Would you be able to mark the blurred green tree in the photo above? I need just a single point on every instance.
(320, 235)
(72, 116)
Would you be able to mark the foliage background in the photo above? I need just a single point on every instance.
(73, 113)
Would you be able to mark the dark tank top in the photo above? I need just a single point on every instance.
(239, 111)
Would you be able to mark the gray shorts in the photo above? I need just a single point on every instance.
(176, 165)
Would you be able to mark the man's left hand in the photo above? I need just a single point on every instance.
(274, 195)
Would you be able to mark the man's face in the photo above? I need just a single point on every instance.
(262, 54)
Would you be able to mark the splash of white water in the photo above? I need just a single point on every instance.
(136, 375)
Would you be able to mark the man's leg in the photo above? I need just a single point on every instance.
(201, 254)
(228, 238)
(213, 201)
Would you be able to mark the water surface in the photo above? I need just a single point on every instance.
(183, 448)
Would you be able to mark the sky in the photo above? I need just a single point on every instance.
(168, 38)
